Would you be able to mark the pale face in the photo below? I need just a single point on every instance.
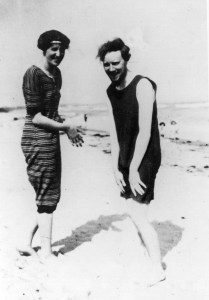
(54, 55)
(115, 67)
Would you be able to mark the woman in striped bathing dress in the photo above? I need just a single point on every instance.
(40, 140)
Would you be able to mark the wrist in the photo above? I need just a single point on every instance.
(133, 168)
(65, 128)
(115, 169)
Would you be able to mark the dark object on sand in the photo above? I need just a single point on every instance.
(162, 124)
(4, 109)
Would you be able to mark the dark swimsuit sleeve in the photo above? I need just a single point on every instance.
(32, 91)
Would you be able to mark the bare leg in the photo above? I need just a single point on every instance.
(138, 212)
(25, 246)
(45, 227)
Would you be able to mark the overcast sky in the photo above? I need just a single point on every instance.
(168, 40)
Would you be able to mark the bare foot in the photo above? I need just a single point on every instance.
(156, 276)
(50, 258)
(46, 256)
(26, 250)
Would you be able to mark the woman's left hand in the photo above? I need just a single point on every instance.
(137, 186)
(74, 135)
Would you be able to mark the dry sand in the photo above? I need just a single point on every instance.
(102, 256)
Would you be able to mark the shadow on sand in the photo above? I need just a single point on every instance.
(168, 233)
(86, 232)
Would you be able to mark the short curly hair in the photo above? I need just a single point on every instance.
(114, 45)
(45, 39)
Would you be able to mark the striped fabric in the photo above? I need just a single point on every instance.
(41, 147)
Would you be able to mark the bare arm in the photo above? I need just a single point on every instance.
(71, 131)
(114, 140)
(145, 97)
(115, 151)
(43, 122)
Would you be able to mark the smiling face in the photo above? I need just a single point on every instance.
(115, 67)
(54, 55)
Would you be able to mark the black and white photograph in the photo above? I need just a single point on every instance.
(104, 156)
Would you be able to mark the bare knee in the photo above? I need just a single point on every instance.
(138, 212)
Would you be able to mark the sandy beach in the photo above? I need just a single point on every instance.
(100, 255)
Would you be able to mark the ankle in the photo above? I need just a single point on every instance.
(157, 266)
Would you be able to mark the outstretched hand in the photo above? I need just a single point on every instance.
(74, 135)
(137, 186)
(120, 180)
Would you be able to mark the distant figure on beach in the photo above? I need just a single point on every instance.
(40, 140)
(174, 132)
(162, 129)
(85, 117)
(135, 142)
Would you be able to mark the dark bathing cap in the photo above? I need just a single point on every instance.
(47, 37)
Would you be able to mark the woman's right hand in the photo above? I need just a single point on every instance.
(119, 180)
(74, 135)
